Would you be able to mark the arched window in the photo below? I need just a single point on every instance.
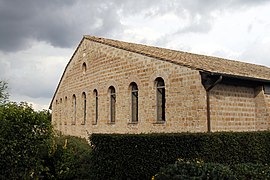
(84, 107)
(96, 105)
(74, 109)
(84, 67)
(134, 102)
(60, 112)
(112, 103)
(160, 91)
(65, 111)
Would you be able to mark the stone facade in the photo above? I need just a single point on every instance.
(82, 102)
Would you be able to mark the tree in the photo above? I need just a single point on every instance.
(3, 92)
(25, 137)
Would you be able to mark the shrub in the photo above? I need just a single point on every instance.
(195, 169)
(69, 158)
(248, 171)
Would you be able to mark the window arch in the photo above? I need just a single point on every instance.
(112, 103)
(74, 104)
(160, 98)
(84, 107)
(134, 102)
(96, 105)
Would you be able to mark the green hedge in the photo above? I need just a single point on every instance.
(141, 156)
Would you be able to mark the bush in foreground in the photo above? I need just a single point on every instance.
(195, 169)
(69, 158)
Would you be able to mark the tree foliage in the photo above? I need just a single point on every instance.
(25, 137)
(3, 92)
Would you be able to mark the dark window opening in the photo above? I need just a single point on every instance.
(74, 109)
(96, 105)
(160, 91)
(84, 67)
(84, 107)
(134, 102)
(112, 103)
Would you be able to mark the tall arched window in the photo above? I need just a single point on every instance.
(160, 91)
(112, 103)
(96, 105)
(134, 102)
(84, 107)
(65, 111)
(60, 112)
(74, 109)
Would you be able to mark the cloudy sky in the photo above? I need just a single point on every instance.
(37, 37)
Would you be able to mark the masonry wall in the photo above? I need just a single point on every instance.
(239, 108)
(233, 108)
(108, 66)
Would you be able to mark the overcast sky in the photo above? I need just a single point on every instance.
(37, 37)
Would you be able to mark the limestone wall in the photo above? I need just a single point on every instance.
(108, 66)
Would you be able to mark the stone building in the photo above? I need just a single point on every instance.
(110, 86)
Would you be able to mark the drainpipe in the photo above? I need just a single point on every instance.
(208, 102)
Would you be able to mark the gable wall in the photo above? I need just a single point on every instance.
(108, 66)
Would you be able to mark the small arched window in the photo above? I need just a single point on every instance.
(160, 95)
(112, 103)
(84, 107)
(84, 68)
(96, 105)
(134, 102)
(74, 109)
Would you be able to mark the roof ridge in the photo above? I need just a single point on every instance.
(191, 60)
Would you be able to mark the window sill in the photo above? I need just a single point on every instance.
(132, 123)
(159, 122)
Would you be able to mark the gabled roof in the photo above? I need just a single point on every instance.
(194, 61)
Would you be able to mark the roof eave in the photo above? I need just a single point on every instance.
(261, 80)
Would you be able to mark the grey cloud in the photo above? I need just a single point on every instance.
(59, 23)
(62, 23)
(191, 10)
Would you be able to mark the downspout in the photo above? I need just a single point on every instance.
(208, 102)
